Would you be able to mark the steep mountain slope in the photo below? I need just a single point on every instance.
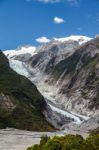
(49, 55)
(78, 76)
(21, 105)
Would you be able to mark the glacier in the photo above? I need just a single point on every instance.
(47, 91)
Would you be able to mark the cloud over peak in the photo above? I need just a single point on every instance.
(42, 39)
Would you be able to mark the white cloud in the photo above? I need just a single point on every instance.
(43, 39)
(49, 1)
(58, 20)
(56, 1)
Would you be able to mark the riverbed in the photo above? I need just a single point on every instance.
(14, 139)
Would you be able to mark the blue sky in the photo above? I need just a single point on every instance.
(26, 21)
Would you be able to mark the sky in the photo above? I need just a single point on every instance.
(24, 22)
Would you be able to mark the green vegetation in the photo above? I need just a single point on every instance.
(68, 142)
(21, 104)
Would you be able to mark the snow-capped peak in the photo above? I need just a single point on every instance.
(32, 50)
(21, 50)
(80, 39)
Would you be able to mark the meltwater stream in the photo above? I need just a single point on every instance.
(46, 90)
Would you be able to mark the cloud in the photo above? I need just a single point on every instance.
(49, 1)
(71, 2)
(58, 20)
(42, 39)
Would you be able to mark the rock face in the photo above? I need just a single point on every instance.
(66, 71)
(78, 76)
(21, 104)
(49, 55)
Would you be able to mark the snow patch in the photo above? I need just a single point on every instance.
(22, 50)
(80, 39)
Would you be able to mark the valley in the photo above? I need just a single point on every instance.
(48, 91)
(49, 75)
(42, 66)
(68, 99)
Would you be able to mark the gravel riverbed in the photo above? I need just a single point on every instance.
(14, 139)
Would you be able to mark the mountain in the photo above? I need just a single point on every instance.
(21, 104)
(78, 76)
(66, 72)
(20, 100)
(24, 52)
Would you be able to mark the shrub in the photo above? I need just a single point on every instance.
(68, 142)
